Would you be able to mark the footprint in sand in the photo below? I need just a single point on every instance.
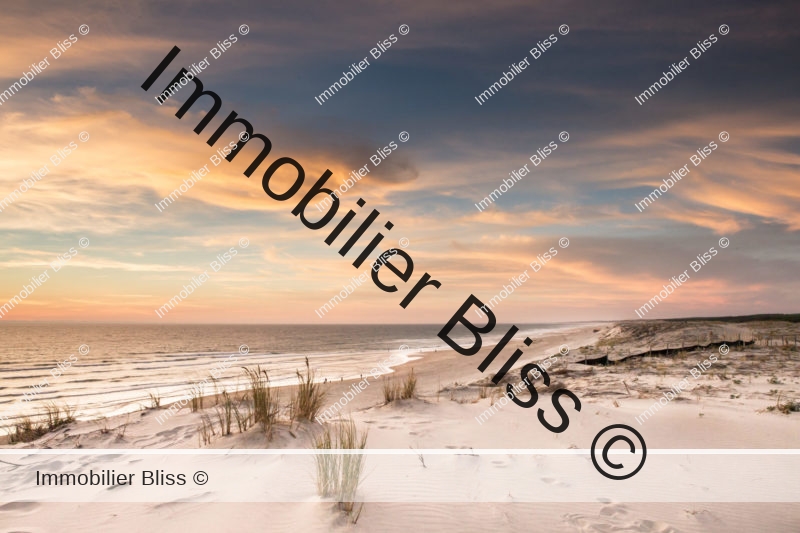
(595, 524)
(613, 509)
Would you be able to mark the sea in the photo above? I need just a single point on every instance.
(109, 369)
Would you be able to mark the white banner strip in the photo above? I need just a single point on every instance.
(396, 476)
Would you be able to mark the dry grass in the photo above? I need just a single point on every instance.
(197, 397)
(403, 390)
(205, 430)
(391, 390)
(54, 417)
(309, 398)
(791, 406)
(26, 431)
(216, 390)
(264, 400)
(409, 388)
(338, 476)
(225, 414)
(103, 423)
(120, 430)
(58, 416)
(244, 416)
(155, 400)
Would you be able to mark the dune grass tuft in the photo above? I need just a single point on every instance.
(197, 397)
(309, 398)
(409, 386)
(338, 476)
(122, 428)
(58, 416)
(264, 400)
(55, 416)
(792, 406)
(225, 414)
(205, 430)
(155, 400)
(26, 431)
(391, 390)
(244, 414)
(404, 390)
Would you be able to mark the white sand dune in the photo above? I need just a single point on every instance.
(725, 407)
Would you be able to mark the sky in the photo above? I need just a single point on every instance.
(457, 152)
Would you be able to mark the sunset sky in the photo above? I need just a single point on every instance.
(458, 152)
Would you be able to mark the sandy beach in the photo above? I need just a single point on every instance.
(399, 267)
(739, 401)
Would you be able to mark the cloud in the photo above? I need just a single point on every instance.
(138, 153)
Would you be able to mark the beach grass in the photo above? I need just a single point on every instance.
(403, 390)
(54, 417)
(309, 398)
(263, 398)
(243, 413)
(26, 431)
(409, 388)
(225, 414)
(205, 430)
(58, 416)
(197, 397)
(122, 428)
(339, 476)
(792, 406)
(391, 390)
(155, 400)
